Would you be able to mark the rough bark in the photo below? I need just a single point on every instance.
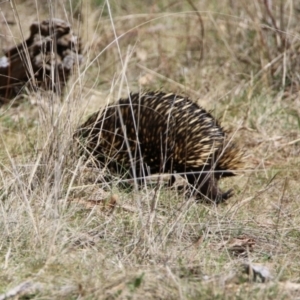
(45, 60)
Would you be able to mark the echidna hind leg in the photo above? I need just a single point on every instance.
(227, 194)
(205, 186)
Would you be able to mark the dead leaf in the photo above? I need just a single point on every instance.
(239, 245)
(22, 289)
(106, 205)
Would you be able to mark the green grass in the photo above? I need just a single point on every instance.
(56, 231)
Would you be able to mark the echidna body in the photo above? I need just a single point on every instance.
(156, 132)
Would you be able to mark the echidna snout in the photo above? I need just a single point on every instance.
(155, 132)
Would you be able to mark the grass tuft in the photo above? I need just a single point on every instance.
(72, 234)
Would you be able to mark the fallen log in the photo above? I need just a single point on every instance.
(45, 60)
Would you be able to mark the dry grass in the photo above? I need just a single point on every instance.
(74, 236)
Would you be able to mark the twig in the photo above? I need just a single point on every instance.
(191, 3)
(284, 40)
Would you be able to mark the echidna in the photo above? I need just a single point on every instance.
(154, 132)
